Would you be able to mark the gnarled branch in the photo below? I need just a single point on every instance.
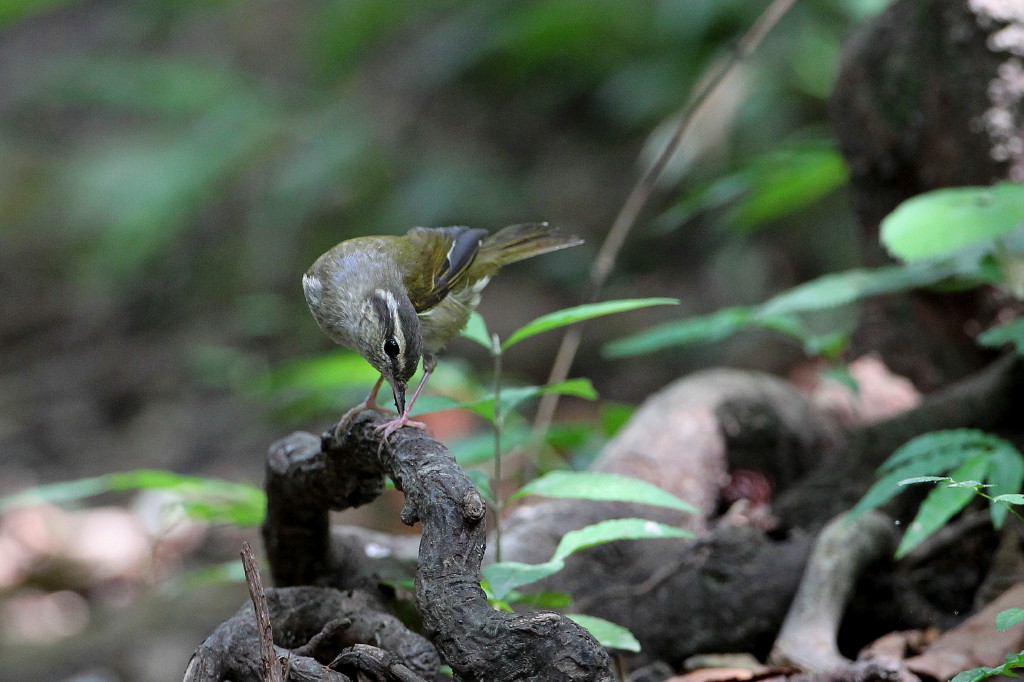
(308, 477)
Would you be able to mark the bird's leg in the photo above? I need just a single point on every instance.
(370, 403)
(403, 420)
(371, 400)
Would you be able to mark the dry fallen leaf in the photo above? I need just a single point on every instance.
(713, 675)
(975, 642)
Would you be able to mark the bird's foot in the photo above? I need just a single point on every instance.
(390, 427)
(368, 404)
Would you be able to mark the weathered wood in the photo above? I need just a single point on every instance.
(311, 626)
(307, 477)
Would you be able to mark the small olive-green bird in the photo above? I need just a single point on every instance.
(397, 299)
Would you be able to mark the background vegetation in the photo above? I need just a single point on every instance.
(168, 169)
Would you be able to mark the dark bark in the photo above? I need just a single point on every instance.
(910, 101)
(303, 486)
(727, 591)
(311, 627)
(731, 589)
(308, 477)
(926, 99)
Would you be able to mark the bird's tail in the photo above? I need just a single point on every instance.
(516, 242)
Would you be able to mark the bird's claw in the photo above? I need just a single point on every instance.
(390, 427)
(365, 405)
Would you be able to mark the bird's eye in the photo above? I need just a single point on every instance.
(391, 347)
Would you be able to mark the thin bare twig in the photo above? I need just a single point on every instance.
(275, 668)
(638, 197)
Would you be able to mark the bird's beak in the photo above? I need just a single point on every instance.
(399, 392)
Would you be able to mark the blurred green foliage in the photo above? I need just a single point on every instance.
(206, 499)
(949, 239)
(161, 110)
(966, 455)
(179, 160)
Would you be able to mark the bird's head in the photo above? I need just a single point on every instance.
(390, 339)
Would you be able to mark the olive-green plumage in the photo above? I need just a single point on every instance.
(397, 299)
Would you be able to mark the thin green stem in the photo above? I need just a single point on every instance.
(499, 424)
(951, 482)
(1009, 507)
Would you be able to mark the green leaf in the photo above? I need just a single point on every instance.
(590, 485)
(135, 193)
(831, 291)
(962, 442)
(766, 188)
(1008, 618)
(158, 87)
(970, 483)
(56, 493)
(787, 180)
(1006, 477)
(579, 313)
(427, 404)
(924, 479)
(1011, 332)
(606, 633)
(12, 11)
(1010, 498)
(476, 330)
(208, 499)
(888, 486)
(720, 325)
(941, 222)
(571, 435)
(942, 504)
(780, 313)
(479, 447)
(511, 397)
(1012, 663)
(506, 576)
(829, 346)
(931, 454)
(614, 416)
(482, 483)
(542, 600)
(714, 195)
(311, 387)
(613, 530)
(333, 371)
(224, 573)
(842, 376)
(499, 605)
(974, 674)
(703, 329)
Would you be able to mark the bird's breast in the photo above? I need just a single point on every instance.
(443, 322)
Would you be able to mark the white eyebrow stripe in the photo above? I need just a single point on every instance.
(392, 304)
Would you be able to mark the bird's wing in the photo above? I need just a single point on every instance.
(436, 260)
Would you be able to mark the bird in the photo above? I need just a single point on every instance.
(397, 299)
